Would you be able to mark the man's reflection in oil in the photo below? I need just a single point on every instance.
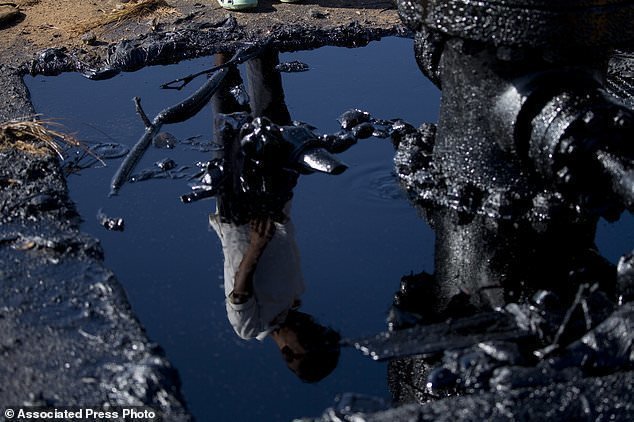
(262, 271)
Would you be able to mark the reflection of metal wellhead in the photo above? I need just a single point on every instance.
(266, 151)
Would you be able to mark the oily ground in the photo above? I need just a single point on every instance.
(87, 27)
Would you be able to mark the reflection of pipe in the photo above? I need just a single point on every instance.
(318, 159)
(307, 154)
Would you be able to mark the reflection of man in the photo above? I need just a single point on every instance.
(262, 271)
(268, 248)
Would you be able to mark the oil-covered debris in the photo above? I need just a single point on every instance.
(510, 365)
(507, 365)
(164, 140)
(352, 118)
(52, 61)
(110, 223)
(298, 148)
(552, 320)
(545, 341)
(292, 67)
(429, 340)
(210, 181)
(358, 124)
(166, 164)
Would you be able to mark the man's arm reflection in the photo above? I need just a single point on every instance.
(262, 271)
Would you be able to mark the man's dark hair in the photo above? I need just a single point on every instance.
(321, 344)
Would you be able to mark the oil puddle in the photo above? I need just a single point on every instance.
(356, 233)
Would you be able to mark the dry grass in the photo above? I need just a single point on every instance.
(37, 137)
(127, 11)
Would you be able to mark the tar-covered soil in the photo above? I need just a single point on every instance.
(88, 27)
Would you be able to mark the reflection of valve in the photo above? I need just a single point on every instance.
(268, 159)
(293, 147)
